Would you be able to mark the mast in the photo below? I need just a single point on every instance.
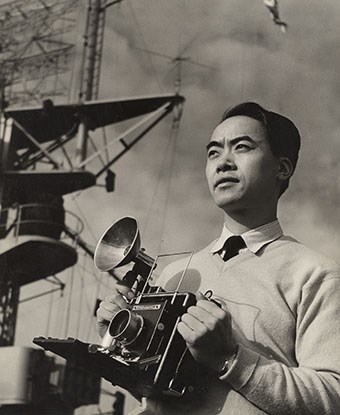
(33, 221)
(89, 76)
(93, 48)
(34, 58)
(90, 69)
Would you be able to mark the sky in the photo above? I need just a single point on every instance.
(251, 59)
(241, 56)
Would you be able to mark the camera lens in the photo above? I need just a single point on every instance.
(126, 326)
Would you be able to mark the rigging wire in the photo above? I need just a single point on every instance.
(107, 155)
(49, 315)
(174, 138)
(81, 213)
(100, 411)
(43, 307)
(93, 275)
(96, 296)
(95, 148)
(33, 297)
(81, 296)
(145, 45)
(157, 187)
(99, 283)
(74, 197)
(89, 307)
(68, 307)
(60, 288)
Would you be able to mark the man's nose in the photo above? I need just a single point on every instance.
(225, 163)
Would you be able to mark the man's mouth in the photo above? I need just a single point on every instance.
(224, 181)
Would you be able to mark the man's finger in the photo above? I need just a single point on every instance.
(193, 323)
(212, 308)
(124, 290)
(187, 334)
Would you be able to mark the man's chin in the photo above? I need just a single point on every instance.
(228, 204)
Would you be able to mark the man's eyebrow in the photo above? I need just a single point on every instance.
(233, 141)
(214, 143)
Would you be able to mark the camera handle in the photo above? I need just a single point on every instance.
(140, 273)
(130, 277)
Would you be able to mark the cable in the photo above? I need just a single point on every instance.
(155, 192)
(174, 134)
(88, 227)
(68, 308)
(90, 322)
(33, 297)
(105, 145)
(81, 302)
(171, 143)
(146, 47)
(49, 315)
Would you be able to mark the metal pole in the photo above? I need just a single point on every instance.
(95, 13)
(5, 138)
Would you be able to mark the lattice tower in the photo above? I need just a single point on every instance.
(37, 49)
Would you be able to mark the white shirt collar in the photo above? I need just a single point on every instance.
(255, 239)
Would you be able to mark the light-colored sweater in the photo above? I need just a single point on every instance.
(285, 305)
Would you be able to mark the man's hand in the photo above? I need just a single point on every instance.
(207, 331)
(111, 305)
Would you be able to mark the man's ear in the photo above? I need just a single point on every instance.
(285, 169)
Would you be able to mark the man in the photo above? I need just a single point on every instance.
(273, 346)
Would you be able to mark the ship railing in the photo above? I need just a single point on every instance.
(40, 220)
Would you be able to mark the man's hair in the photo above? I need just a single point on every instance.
(282, 134)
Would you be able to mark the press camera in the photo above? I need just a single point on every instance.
(141, 350)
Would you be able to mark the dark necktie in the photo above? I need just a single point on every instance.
(232, 246)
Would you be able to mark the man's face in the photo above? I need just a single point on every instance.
(241, 168)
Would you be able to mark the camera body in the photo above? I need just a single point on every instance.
(141, 351)
(144, 337)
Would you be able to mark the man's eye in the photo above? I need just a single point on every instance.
(242, 146)
(212, 154)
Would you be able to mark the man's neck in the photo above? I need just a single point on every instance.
(239, 224)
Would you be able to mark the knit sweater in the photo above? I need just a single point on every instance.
(285, 307)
